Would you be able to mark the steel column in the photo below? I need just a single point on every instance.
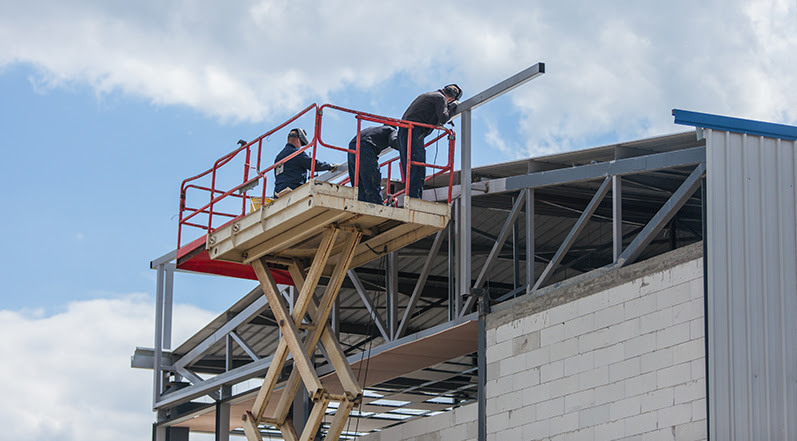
(617, 217)
(157, 385)
(529, 239)
(465, 212)
(391, 300)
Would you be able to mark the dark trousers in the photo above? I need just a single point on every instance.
(369, 185)
(417, 172)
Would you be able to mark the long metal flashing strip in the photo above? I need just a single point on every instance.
(736, 125)
(636, 164)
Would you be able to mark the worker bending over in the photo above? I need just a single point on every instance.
(433, 108)
(293, 173)
(373, 140)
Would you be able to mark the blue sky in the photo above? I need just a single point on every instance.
(105, 107)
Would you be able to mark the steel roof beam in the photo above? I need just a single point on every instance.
(501, 88)
(676, 201)
(587, 172)
(571, 237)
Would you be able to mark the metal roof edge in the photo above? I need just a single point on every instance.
(738, 125)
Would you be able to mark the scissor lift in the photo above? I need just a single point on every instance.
(317, 230)
(326, 223)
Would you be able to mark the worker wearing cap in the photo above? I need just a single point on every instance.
(433, 108)
(373, 140)
(293, 173)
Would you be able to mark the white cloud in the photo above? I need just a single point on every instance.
(68, 376)
(614, 68)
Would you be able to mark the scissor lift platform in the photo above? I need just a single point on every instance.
(292, 226)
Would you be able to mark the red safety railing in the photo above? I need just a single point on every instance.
(220, 208)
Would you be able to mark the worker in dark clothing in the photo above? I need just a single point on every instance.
(373, 140)
(433, 108)
(293, 173)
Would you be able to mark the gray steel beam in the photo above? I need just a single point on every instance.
(501, 88)
(482, 372)
(166, 258)
(416, 293)
(157, 372)
(196, 379)
(529, 238)
(505, 230)
(168, 305)
(245, 346)
(468, 305)
(617, 217)
(358, 285)
(515, 254)
(391, 301)
(587, 172)
(255, 308)
(571, 237)
(453, 260)
(638, 164)
(464, 248)
(665, 213)
(237, 375)
(144, 358)
(222, 421)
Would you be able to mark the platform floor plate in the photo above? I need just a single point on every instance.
(291, 227)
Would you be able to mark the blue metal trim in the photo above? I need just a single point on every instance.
(738, 125)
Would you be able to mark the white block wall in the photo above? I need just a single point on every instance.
(625, 363)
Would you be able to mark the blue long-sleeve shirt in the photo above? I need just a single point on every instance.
(293, 173)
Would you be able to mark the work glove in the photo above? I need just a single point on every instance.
(452, 107)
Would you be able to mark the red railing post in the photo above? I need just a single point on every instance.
(409, 164)
(357, 155)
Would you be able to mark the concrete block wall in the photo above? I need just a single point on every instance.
(623, 363)
(610, 356)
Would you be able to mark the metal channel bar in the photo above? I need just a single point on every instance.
(587, 172)
(665, 213)
(358, 285)
(254, 308)
(499, 243)
(571, 237)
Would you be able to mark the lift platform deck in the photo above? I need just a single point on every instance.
(291, 227)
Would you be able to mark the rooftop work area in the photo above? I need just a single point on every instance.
(392, 294)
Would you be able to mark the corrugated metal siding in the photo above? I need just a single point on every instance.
(752, 287)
